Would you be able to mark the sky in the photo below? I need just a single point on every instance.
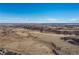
(39, 12)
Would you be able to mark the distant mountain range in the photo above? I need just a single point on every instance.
(48, 24)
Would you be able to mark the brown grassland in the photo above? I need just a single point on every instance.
(29, 42)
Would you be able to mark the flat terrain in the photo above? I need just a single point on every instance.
(30, 42)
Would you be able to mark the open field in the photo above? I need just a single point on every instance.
(32, 42)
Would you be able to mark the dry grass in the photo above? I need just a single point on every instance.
(33, 42)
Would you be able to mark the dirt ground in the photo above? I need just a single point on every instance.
(29, 42)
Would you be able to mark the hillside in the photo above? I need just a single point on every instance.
(25, 41)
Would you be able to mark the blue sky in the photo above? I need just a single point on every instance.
(39, 13)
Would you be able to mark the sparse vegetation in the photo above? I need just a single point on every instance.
(33, 39)
(72, 39)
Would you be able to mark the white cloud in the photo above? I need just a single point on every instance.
(36, 20)
(53, 20)
(73, 20)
